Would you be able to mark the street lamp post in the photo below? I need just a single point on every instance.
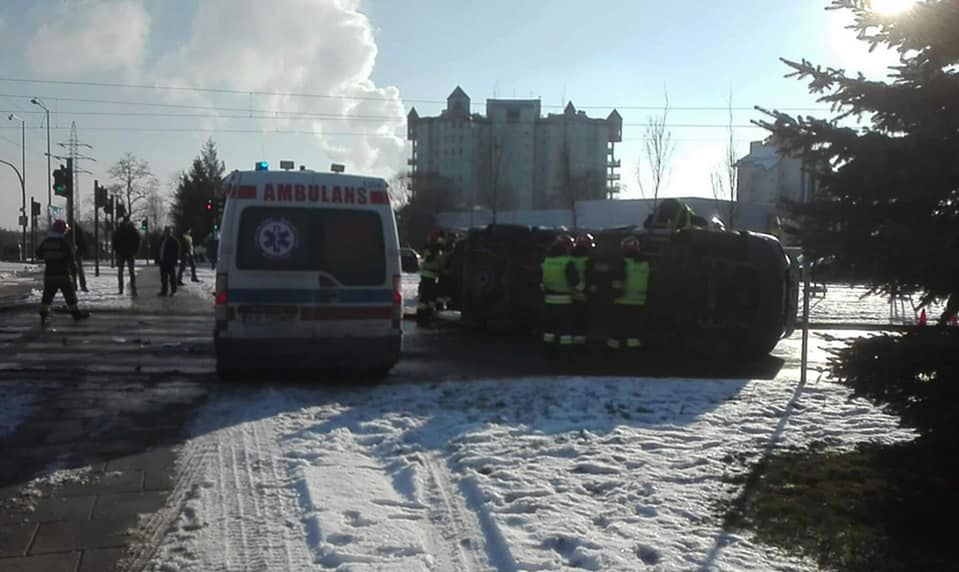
(36, 101)
(23, 186)
(23, 190)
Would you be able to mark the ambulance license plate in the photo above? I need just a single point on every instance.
(266, 314)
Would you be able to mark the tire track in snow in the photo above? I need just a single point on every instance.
(456, 528)
(234, 516)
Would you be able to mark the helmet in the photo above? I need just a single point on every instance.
(630, 245)
(60, 226)
(584, 243)
(562, 244)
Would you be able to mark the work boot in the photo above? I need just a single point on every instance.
(80, 315)
(180, 283)
(43, 320)
(195, 279)
(133, 291)
(162, 294)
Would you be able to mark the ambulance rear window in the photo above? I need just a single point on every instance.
(347, 244)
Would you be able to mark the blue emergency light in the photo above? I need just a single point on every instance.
(262, 166)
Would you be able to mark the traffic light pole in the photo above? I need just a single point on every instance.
(73, 235)
(96, 227)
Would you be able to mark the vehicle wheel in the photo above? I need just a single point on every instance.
(227, 374)
(378, 373)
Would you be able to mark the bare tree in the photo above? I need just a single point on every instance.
(724, 178)
(658, 149)
(401, 192)
(134, 181)
(156, 209)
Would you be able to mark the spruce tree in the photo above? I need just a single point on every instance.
(194, 189)
(887, 161)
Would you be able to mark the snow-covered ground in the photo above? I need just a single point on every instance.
(17, 272)
(520, 474)
(103, 290)
(849, 304)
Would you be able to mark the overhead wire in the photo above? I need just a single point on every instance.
(234, 91)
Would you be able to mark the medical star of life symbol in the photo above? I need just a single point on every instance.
(276, 238)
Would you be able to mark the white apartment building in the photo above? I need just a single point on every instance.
(769, 179)
(513, 158)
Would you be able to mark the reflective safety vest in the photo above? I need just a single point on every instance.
(580, 263)
(555, 285)
(635, 284)
(432, 264)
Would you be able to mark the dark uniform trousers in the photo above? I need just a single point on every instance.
(168, 277)
(51, 285)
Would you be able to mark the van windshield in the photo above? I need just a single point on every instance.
(347, 244)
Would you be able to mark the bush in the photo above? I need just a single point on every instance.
(913, 376)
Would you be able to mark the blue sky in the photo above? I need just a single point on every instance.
(379, 57)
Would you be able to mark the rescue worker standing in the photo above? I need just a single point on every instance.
(57, 254)
(187, 257)
(560, 280)
(434, 261)
(580, 311)
(632, 282)
(167, 259)
(126, 243)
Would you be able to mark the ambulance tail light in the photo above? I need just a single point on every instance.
(397, 301)
(220, 291)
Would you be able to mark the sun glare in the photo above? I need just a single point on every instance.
(891, 7)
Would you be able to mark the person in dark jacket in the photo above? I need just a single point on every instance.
(57, 255)
(167, 259)
(75, 237)
(126, 244)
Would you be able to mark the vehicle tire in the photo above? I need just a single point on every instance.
(378, 373)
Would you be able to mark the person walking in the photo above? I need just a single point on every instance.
(187, 256)
(58, 256)
(167, 258)
(632, 281)
(126, 244)
(75, 236)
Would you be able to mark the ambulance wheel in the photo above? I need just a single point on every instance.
(226, 374)
(378, 373)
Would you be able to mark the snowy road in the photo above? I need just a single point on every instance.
(519, 474)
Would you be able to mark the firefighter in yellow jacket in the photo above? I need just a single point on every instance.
(560, 279)
(632, 284)
(434, 263)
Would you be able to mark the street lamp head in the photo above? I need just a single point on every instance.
(34, 101)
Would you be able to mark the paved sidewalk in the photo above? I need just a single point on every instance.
(80, 477)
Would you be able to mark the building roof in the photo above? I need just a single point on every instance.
(412, 114)
(570, 109)
(614, 116)
(458, 92)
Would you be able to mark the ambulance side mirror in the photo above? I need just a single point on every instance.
(409, 261)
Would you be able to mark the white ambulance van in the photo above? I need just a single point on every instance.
(308, 273)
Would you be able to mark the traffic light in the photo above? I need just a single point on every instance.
(34, 207)
(63, 180)
(209, 205)
(100, 195)
(60, 182)
(108, 205)
(121, 209)
(144, 225)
